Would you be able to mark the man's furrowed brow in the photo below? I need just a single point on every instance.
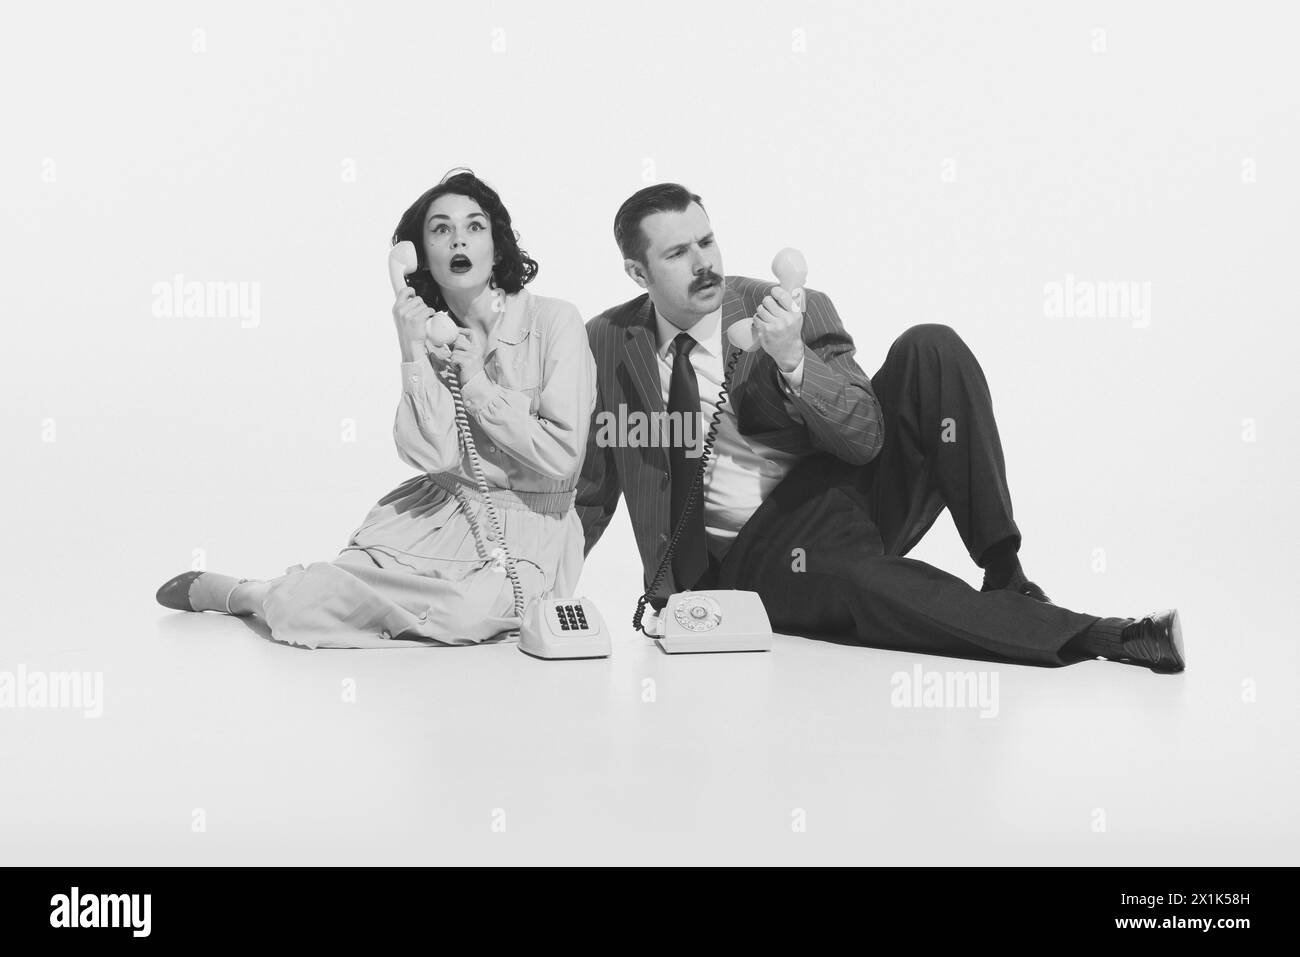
(682, 247)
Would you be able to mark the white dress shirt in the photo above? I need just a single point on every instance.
(742, 471)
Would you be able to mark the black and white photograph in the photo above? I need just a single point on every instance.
(834, 434)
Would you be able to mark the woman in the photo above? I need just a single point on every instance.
(423, 568)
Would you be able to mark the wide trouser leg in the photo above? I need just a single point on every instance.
(886, 601)
(416, 579)
(349, 603)
(825, 550)
(941, 448)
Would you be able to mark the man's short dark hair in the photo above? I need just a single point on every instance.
(661, 198)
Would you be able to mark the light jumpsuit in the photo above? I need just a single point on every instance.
(413, 573)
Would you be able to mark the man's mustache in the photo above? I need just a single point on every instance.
(704, 279)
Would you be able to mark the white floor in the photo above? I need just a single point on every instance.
(219, 746)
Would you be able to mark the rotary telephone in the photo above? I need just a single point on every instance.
(722, 619)
(552, 628)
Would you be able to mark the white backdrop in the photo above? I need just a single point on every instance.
(936, 163)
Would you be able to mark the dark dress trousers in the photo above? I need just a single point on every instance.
(878, 460)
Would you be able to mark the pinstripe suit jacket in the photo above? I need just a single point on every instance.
(836, 410)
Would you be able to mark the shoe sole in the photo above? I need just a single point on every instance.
(1176, 641)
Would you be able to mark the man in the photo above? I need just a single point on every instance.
(821, 479)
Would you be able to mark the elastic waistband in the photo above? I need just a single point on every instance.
(556, 503)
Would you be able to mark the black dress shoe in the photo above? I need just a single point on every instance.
(1157, 642)
(176, 592)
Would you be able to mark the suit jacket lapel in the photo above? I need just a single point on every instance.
(641, 360)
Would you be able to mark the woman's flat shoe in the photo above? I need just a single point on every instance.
(176, 593)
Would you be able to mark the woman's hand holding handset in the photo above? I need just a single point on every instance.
(418, 326)
(412, 318)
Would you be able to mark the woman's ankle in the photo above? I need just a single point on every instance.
(247, 598)
(212, 591)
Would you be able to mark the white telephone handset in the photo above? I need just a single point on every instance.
(441, 329)
(791, 271)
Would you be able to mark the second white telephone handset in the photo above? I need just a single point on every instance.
(791, 271)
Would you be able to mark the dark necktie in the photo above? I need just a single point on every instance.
(691, 557)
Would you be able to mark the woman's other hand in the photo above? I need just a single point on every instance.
(467, 355)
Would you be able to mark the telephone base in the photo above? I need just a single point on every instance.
(564, 629)
(700, 622)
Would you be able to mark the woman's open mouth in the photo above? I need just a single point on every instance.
(460, 263)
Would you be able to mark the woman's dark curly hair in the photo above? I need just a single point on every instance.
(513, 269)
